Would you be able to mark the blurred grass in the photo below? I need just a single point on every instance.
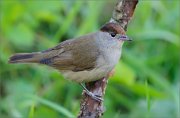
(52, 105)
(146, 82)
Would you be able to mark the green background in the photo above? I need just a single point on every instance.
(146, 82)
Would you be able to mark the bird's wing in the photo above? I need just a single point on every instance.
(76, 55)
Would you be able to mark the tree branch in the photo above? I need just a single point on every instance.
(123, 12)
(90, 108)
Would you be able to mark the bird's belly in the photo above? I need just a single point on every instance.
(85, 76)
(105, 64)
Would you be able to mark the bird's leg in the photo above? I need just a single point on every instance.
(95, 97)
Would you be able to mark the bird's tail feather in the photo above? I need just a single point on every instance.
(25, 58)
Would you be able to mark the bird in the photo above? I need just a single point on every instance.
(83, 59)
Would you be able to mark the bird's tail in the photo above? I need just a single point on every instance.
(25, 58)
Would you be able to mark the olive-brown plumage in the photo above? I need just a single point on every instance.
(87, 58)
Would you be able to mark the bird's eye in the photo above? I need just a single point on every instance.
(113, 34)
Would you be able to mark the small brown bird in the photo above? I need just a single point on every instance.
(84, 59)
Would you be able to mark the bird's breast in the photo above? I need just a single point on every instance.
(111, 56)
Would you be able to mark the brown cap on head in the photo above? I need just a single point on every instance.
(112, 27)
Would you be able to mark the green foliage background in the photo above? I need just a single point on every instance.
(146, 82)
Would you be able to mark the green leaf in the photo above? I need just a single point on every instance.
(31, 112)
(91, 17)
(54, 106)
(68, 21)
(147, 96)
(159, 34)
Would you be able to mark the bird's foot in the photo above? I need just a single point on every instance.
(95, 97)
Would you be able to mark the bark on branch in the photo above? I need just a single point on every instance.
(89, 108)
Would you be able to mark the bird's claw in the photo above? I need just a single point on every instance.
(95, 97)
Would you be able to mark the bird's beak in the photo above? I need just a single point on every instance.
(124, 38)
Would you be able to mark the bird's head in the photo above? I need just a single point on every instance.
(115, 31)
